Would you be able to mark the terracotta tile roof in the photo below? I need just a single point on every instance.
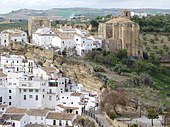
(3, 106)
(119, 20)
(76, 94)
(37, 112)
(67, 107)
(96, 36)
(49, 69)
(15, 111)
(12, 117)
(65, 36)
(60, 116)
(35, 125)
(2, 74)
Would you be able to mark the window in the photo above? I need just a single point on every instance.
(7, 61)
(14, 84)
(36, 97)
(0, 99)
(9, 103)
(36, 90)
(4, 40)
(76, 39)
(10, 91)
(60, 123)
(25, 90)
(10, 97)
(66, 123)
(43, 96)
(30, 96)
(17, 62)
(43, 90)
(17, 69)
(15, 40)
(31, 90)
(67, 97)
(71, 102)
(25, 97)
(54, 122)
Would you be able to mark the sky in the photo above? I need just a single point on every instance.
(9, 5)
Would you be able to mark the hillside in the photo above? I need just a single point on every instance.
(65, 13)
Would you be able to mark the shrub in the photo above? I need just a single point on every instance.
(110, 114)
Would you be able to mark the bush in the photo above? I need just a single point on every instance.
(111, 114)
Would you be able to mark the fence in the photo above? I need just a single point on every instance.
(93, 116)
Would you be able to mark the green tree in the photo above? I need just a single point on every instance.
(152, 114)
(121, 68)
(122, 53)
(94, 23)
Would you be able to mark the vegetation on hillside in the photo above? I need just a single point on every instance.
(158, 23)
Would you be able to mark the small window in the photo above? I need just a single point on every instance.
(25, 90)
(30, 96)
(71, 102)
(10, 97)
(36, 90)
(36, 97)
(76, 39)
(31, 90)
(25, 97)
(9, 103)
(10, 91)
(4, 40)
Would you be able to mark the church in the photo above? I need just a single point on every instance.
(121, 33)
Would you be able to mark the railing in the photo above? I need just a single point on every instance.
(93, 116)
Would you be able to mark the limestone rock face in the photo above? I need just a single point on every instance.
(82, 73)
(123, 31)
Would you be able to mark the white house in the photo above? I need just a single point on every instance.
(15, 61)
(60, 119)
(16, 116)
(63, 41)
(43, 36)
(32, 89)
(83, 44)
(10, 36)
(37, 116)
(97, 40)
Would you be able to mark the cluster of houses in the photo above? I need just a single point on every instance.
(73, 40)
(32, 95)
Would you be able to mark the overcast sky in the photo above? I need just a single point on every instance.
(9, 5)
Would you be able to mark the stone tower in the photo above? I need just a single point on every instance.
(126, 14)
(37, 22)
(123, 32)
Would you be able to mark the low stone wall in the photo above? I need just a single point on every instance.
(115, 122)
